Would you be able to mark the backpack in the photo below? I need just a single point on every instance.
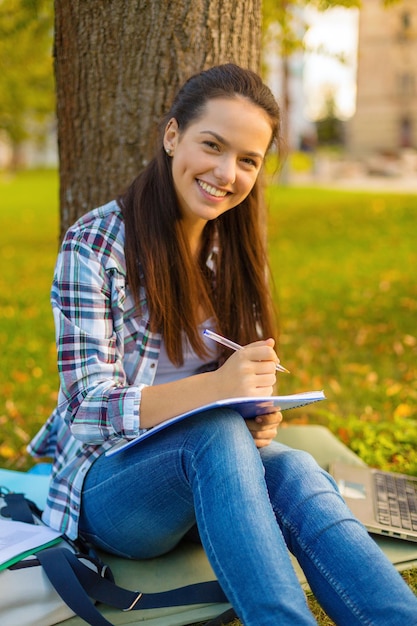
(54, 583)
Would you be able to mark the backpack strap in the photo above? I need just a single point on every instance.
(19, 508)
(76, 583)
(68, 581)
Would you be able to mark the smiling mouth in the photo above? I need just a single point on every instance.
(213, 191)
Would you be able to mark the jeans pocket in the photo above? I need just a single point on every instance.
(98, 542)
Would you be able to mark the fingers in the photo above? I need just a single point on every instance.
(260, 359)
(269, 419)
(264, 428)
(261, 351)
(250, 371)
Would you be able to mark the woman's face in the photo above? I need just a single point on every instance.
(216, 160)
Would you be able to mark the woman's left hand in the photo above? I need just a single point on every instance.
(264, 428)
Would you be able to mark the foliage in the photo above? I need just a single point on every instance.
(283, 19)
(26, 78)
(285, 16)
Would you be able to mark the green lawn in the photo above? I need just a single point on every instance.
(344, 268)
(28, 247)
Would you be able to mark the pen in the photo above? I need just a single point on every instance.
(234, 346)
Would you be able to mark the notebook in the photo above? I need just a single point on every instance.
(247, 407)
(385, 502)
(19, 540)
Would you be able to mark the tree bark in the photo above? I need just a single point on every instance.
(117, 67)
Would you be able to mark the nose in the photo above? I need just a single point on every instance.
(225, 170)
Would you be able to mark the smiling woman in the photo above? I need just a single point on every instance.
(216, 160)
(136, 283)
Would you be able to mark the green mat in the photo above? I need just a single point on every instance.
(187, 563)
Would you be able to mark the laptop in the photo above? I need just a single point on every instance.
(385, 502)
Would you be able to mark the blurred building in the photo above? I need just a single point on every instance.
(385, 121)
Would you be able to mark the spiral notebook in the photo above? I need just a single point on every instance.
(249, 408)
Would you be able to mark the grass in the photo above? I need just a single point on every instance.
(343, 265)
(28, 247)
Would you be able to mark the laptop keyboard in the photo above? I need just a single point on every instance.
(396, 499)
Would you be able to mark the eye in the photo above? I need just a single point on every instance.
(250, 162)
(212, 145)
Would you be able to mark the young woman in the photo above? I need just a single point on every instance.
(136, 282)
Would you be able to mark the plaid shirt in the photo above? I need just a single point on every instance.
(106, 356)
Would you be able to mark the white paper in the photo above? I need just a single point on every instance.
(18, 537)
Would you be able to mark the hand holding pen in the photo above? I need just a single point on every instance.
(234, 346)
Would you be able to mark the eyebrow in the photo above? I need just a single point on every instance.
(226, 143)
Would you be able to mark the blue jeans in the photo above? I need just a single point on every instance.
(249, 505)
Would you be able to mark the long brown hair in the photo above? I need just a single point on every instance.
(234, 287)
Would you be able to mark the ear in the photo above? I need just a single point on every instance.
(171, 135)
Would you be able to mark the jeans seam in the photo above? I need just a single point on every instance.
(342, 593)
(208, 546)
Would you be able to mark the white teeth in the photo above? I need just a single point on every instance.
(213, 191)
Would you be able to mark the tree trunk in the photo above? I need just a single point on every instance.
(117, 67)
